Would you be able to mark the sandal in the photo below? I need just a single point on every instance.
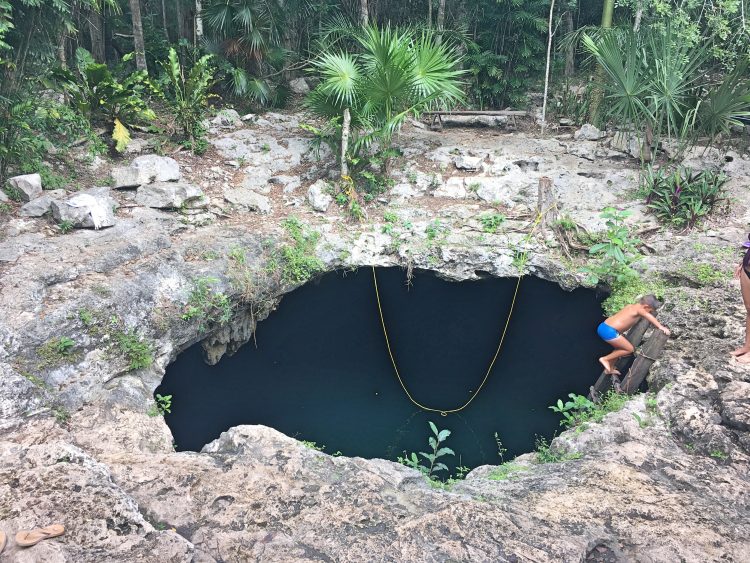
(3, 540)
(26, 538)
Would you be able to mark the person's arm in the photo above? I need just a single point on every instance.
(653, 320)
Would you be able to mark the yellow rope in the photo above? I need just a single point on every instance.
(446, 412)
(443, 412)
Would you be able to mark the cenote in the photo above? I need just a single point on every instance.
(320, 371)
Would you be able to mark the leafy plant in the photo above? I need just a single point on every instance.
(136, 351)
(546, 454)
(682, 197)
(491, 222)
(56, 351)
(298, 261)
(187, 96)
(616, 253)
(65, 226)
(430, 464)
(162, 406)
(207, 304)
(97, 94)
(579, 410)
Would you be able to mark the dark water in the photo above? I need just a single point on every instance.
(321, 371)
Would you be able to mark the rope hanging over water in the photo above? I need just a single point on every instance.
(443, 412)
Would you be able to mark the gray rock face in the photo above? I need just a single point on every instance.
(36, 207)
(29, 186)
(153, 168)
(317, 196)
(90, 209)
(3, 198)
(227, 118)
(299, 86)
(167, 195)
(247, 199)
(588, 132)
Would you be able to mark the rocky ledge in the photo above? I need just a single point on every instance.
(664, 479)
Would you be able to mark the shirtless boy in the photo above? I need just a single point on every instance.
(611, 330)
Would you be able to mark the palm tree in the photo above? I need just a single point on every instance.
(395, 73)
(140, 46)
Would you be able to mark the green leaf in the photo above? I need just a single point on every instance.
(434, 429)
(443, 435)
(121, 136)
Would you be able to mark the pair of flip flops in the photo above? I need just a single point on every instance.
(27, 538)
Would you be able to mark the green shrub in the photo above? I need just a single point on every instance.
(298, 261)
(682, 197)
(491, 222)
(136, 351)
(207, 304)
(431, 465)
(617, 251)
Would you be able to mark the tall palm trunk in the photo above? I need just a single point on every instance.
(363, 12)
(164, 20)
(140, 47)
(198, 21)
(441, 20)
(345, 142)
(570, 51)
(598, 94)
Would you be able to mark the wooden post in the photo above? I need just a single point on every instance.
(652, 351)
(635, 337)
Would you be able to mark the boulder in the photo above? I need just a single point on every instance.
(167, 195)
(125, 177)
(247, 199)
(470, 163)
(36, 207)
(29, 186)
(227, 118)
(299, 86)
(403, 191)
(90, 209)
(453, 188)
(318, 197)
(588, 132)
(154, 168)
(495, 190)
(3, 198)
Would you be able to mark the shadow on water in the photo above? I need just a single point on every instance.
(321, 372)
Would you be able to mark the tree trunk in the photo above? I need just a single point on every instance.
(363, 12)
(429, 13)
(198, 22)
(140, 47)
(345, 142)
(546, 69)
(441, 15)
(598, 93)
(164, 20)
(570, 52)
(62, 57)
(638, 16)
(96, 33)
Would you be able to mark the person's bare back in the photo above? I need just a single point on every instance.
(626, 317)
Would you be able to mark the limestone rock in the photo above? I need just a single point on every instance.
(29, 186)
(299, 86)
(403, 191)
(3, 198)
(247, 199)
(494, 190)
(154, 168)
(588, 132)
(468, 163)
(736, 400)
(90, 209)
(318, 197)
(227, 118)
(36, 207)
(453, 188)
(167, 195)
(125, 177)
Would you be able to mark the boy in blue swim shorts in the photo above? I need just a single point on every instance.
(611, 330)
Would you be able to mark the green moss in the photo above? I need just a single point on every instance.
(629, 290)
(705, 274)
(506, 470)
(57, 351)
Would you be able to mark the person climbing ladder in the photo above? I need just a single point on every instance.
(611, 330)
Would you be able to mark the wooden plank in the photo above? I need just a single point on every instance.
(500, 112)
(635, 337)
(652, 351)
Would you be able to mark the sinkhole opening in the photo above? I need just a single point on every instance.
(320, 370)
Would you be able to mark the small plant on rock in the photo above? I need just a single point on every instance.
(162, 406)
(617, 251)
(207, 304)
(136, 351)
(491, 222)
(430, 465)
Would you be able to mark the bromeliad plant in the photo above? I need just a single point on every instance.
(682, 197)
